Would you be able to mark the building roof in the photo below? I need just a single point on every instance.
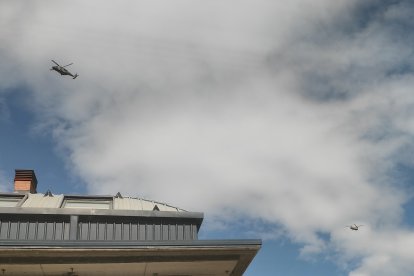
(117, 202)
(77, 235)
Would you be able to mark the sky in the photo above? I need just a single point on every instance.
(280, 120)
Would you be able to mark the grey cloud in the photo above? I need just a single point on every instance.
(338, 59)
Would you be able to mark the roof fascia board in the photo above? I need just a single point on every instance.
(100, 212)
(128, 244)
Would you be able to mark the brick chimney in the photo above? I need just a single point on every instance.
(25, 181)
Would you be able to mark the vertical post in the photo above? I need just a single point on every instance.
(73, 228)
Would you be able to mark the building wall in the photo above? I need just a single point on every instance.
(27, 227)
(71, 227)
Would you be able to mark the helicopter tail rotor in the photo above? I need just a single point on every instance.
(75, 76)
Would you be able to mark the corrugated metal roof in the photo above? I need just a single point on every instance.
(41, 201)
(128, 203)
(118, 203)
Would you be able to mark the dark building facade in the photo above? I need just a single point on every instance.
(47, 234)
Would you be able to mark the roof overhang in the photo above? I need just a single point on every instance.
(208, 257)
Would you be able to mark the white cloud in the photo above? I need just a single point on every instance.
(291, 112)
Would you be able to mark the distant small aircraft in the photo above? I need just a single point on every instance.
(354, 227)
(62, 70)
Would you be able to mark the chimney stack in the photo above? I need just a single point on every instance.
(25, 181)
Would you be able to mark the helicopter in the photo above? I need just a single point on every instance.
(62, 70)
(354, 227)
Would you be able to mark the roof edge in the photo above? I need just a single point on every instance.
(100, 212)
(18, 244)
(97, 197)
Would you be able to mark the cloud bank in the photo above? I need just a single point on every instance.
(295, 114)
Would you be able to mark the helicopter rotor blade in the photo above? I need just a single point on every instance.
(68, 64)
(55, 62)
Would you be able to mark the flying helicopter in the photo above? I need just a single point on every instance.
(62, 70)
(354, 227)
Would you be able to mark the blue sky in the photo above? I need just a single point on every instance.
(22, 148)
(280, 121)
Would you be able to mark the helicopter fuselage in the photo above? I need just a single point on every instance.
(61, 70)
(355, 227)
